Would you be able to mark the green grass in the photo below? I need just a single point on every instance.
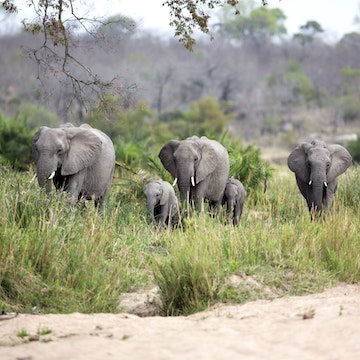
(62, 259)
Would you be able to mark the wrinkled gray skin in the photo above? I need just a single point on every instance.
(161, 202)
(200, 168)
(316, 167)
(78, 160)
(234, 198)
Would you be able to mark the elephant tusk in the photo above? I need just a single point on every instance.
(192, 181)
(325, 183)
(51, 176)
(310, 182)
(175, 182)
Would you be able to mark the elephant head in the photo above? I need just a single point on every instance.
(199, 166)
(79, 160)
(316, 167)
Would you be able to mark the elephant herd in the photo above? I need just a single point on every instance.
(81, 161)
(200, 168)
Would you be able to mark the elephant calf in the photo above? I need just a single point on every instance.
(234, 198)
(161, 202)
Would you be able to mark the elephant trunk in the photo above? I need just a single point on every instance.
(230, 205)
(184, 189)
(318, 191)
(44, 181)
(184, 193)
(151, 203)
(45, 175)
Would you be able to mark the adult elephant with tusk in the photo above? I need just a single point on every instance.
(317, 166)
(200, 167)
(78, 160)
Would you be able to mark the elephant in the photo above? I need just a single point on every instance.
(234, 198)
(161, 202)
(200, 167)
(317, 166)
(78, 160)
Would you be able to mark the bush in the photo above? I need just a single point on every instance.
(15, 143)
(247, 166)
(349, 107)
(354, 149)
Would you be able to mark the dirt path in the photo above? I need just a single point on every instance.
(273, 329)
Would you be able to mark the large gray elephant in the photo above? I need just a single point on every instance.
(317, 166)
(200, 167)
(161, 202)
(234, 198)
(78, 160)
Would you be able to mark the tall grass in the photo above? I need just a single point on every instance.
(62, 258)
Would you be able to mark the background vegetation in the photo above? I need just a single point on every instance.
(265, 86)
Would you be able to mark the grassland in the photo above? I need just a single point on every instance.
(61, 258)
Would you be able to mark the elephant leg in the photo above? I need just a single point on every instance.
(157, 213)
(174, 217)
(198, 195)
(214, 206)
(99, 203)
(164, 214)
(237, 214)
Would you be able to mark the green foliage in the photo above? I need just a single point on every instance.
(119, 123)
(308, 31)
(60, 258)
(204, 117)
(349, 103)
(299, 85)
(57, 257)
(138, 134)
(35, 116)
(354, 149)
(190, 276)
(247, 166)
(15, 143)
(252, 21)
(349, 107)
(187, 15)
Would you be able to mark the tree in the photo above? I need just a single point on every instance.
(60, 25)
(253, 23)
(308, 32)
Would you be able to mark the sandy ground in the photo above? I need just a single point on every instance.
(320, 326)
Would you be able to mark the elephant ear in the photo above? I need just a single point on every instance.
(167, 158)
(340, 161)
(208, 162)
(85, 148)
(297, 162)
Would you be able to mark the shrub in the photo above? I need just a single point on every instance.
(15, 143)
(354, 149)
(247, 166)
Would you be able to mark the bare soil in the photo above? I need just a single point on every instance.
(318, 326)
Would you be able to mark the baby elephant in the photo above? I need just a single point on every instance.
(234, 197)
(161, 202)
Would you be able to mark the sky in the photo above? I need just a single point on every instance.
(335, 16)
